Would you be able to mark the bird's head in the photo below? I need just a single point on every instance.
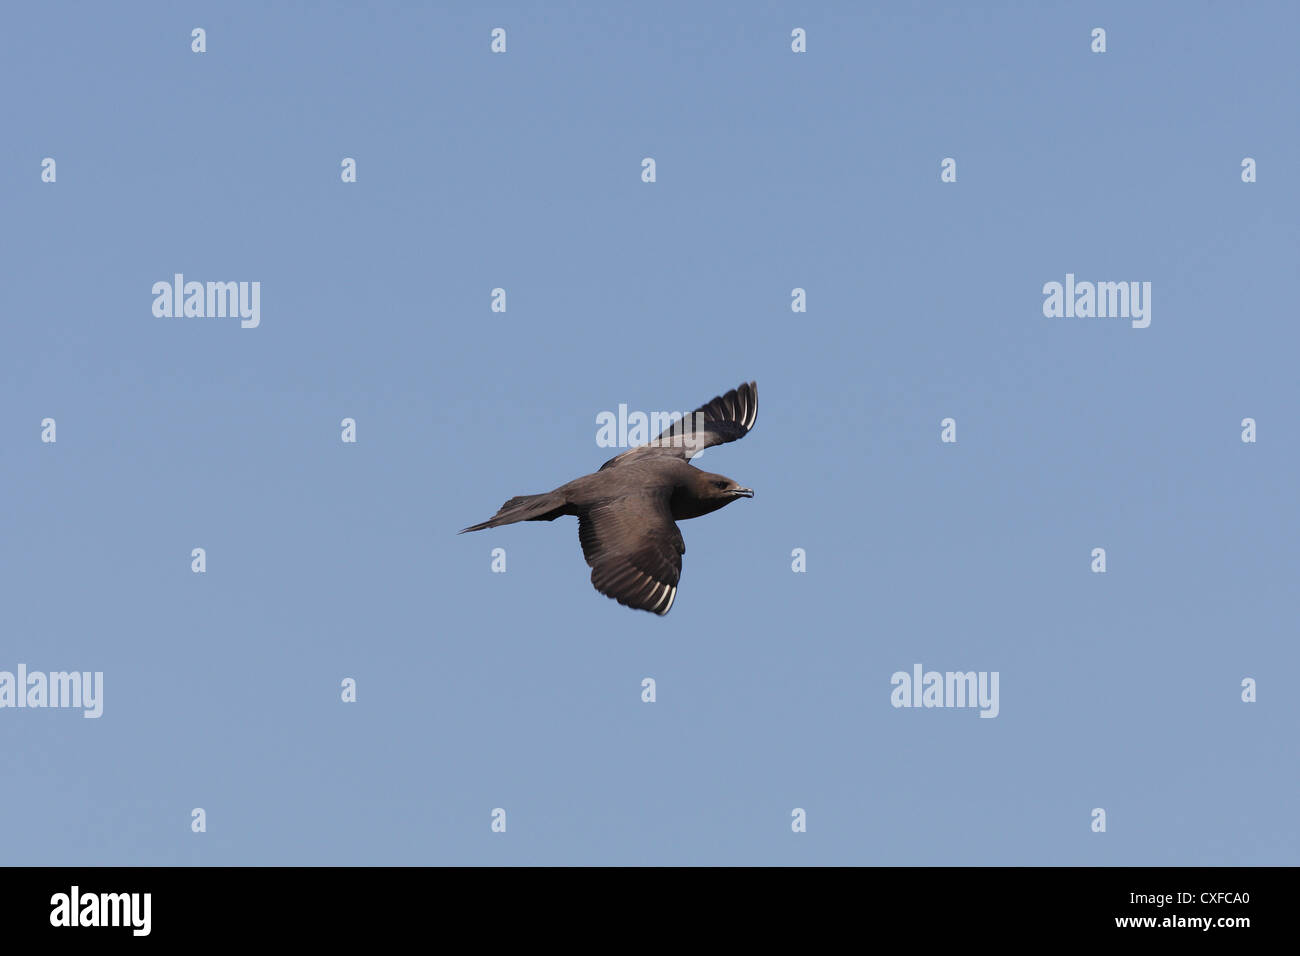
(719, 490)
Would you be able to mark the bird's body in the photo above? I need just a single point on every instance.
(627, 510)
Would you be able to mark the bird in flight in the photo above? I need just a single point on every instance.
(628, 510)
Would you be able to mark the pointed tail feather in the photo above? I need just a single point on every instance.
(545, 507)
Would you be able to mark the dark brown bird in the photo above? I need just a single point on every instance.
(627, 510)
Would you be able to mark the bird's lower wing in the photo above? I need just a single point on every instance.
(635, 551)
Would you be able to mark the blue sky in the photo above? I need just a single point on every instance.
(522, 690)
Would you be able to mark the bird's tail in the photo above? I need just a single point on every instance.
(545, 507)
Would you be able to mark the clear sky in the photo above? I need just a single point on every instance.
(775, 171)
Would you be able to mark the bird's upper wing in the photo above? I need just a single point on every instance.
(634, 549)
(726, 418)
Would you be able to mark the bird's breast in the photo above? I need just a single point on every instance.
(686, 504)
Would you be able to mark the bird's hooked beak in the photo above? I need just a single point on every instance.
(743, 492)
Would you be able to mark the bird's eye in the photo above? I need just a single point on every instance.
(720, 484)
